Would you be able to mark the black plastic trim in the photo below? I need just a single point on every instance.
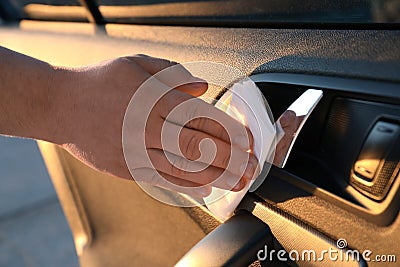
(237, 23)
(386, 89)
(8, 12)
(94, 14)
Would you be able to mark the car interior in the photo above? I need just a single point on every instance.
(340, 186)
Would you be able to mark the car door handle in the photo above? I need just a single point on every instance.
(236, 242)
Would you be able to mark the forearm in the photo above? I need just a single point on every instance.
(24, 96)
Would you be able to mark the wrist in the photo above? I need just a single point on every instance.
(60, 105)
(24, 96)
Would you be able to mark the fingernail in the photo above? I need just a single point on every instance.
(232, 181)
(242, 142)
(239, 186)
(248, 169)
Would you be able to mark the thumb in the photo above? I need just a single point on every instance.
(196, 88)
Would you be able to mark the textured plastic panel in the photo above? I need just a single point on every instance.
(295, 235)
(301, 218)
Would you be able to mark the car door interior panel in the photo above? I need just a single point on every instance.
(341, 181)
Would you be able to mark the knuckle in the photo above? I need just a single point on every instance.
(124, 65)
(291, 114)
(202, 122)
(172, 63)
(287, 118)
(197, 122)
(123, 61)
(191, 144)
(136, 57)
(141, 56)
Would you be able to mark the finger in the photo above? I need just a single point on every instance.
(184, 169)
(151, 64)
(288, 118)
(188, 187)
(206, 118)
(171, 183)
(172, 74)
(195, 89)
(188, 145)
(228, 157)
(280, 152)
(284, 143)
(299, 120)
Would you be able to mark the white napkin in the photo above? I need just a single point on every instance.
(244, 102)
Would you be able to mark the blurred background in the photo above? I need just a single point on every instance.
(33, 229)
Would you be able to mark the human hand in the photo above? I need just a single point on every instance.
(90, 103)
